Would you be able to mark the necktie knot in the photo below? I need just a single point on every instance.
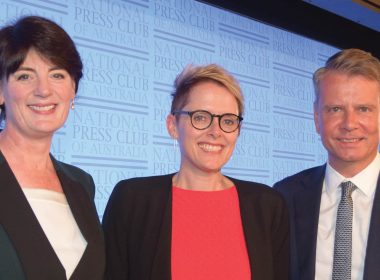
(347, 188)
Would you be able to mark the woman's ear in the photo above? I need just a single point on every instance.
(171, 126)
(1, 94)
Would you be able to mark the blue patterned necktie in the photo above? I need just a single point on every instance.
(343, 234)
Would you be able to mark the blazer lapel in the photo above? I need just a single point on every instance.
(306, 214)
(36, 255)
(371, 265)
(84, 212)
(161, 268)
(249, 207)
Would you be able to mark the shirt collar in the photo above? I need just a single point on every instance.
(365, 180)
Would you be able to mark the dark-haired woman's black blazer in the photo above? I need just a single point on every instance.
(25, 252)
(137, 227)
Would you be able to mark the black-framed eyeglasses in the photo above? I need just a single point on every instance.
(201, 119)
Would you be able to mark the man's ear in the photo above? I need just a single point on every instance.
(171, 126)
(316, 118)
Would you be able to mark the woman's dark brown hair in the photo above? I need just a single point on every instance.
(44, 36)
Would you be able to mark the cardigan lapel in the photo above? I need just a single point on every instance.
(36, 255)
(306, 214)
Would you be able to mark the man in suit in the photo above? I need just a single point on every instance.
(322, 210)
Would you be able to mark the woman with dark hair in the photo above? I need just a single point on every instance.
(49, 227)
(198, 223)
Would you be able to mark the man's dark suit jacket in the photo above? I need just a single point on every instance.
(25, 252)
(137, 225)
(302, 192)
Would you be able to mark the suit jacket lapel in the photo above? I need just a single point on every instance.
(306, 214)
(371, 265)
(36, 255)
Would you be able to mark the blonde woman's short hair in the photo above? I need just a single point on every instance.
(192, 75)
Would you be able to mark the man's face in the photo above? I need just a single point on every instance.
(347, 118)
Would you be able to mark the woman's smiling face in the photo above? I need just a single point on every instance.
(205, 150)
(37, 97)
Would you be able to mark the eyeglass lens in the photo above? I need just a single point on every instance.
(203, 119)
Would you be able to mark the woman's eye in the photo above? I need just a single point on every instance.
(22, 77)
(199, 118)
(58, 76)
(229, 122)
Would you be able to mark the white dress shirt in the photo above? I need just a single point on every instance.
(362, 197)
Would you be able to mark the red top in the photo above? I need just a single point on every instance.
(207, 236)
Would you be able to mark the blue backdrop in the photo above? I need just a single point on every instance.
(132, 51)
